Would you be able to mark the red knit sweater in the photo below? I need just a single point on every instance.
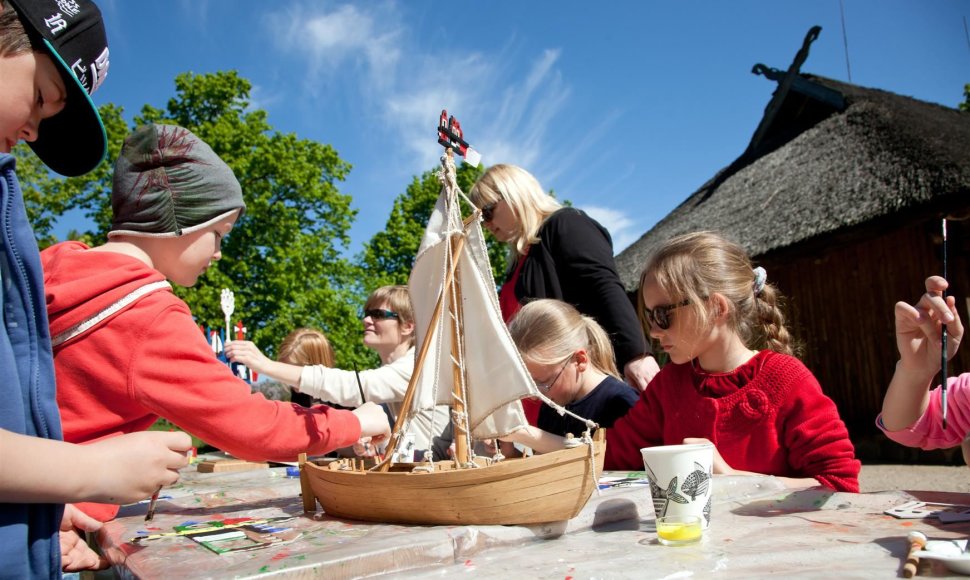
(778, 422)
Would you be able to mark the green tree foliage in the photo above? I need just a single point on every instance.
(283, 259)
(389, 255)
(965, 105)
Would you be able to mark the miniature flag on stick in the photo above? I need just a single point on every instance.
(451, 136)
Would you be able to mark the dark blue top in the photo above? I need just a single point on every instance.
(610, 400)
(29, 545)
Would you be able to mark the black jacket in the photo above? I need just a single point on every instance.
(573, 262)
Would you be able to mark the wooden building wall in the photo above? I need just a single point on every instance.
(841, 303)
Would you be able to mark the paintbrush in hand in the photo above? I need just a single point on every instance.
(943, 356)
(377, 453)
(151, 505)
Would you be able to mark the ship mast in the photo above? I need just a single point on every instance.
(450, 136)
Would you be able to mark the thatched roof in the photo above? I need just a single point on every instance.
(830, 161)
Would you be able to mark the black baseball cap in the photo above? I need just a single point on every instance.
(72, 142)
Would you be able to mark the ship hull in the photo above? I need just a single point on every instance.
(542, 488)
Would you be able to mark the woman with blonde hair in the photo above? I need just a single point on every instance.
(560, 252)
(388, 324)
(570, 357)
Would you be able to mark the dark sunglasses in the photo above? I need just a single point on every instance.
(661, 314)
(381, 314)
(488, 211)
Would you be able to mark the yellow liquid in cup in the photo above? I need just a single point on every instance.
(679, 531)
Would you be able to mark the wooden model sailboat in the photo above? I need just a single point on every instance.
(467, 360)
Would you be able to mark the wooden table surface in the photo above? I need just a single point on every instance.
(757, 528)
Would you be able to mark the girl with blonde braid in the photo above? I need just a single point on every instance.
(732, 378)
(571, 360)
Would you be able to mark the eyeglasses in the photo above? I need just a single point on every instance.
(488, 211)
(381, 314)
(660, 315)
(546, 387)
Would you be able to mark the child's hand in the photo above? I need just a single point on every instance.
(373, 422)
(131, 467)
(364, 448)
(247, 353)
(918, 329)
(76, 555)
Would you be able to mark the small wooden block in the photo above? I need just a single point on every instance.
(222, 465)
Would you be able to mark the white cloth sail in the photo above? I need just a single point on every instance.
(496, 378)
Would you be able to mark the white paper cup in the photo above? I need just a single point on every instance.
(680, 479)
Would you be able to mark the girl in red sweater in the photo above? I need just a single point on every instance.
(731, 378)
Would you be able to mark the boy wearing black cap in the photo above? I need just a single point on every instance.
(53, 55)
(126, 348)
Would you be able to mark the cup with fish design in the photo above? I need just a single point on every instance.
(680, 479)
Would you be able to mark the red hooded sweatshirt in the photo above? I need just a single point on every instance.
(150, 360)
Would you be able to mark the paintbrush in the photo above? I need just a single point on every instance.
(151, 505)
(943, 336)
(359, 386)
(377, 453)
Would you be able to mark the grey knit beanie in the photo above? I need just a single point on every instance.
(168, 182)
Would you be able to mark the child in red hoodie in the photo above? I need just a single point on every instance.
(126, 349)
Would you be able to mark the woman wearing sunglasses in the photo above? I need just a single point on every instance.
(560, 252)
(732, 377)
(388, 325)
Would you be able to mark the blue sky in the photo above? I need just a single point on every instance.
(624, 108)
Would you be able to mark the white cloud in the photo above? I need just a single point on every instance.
(617, 223)
(505, 117)
(508, 111)
(518, 130)
(261, 99)
(332, 36)
(412, 108)
(196, 11)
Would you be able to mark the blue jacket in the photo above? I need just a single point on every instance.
(29, 545)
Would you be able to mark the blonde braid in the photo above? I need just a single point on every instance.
(775, 335)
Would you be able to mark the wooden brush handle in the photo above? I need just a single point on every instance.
(912, 559)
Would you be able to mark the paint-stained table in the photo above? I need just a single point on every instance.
(758, 528)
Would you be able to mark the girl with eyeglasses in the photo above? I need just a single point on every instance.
(388, 325)
(571, 359)
(562, 253)
(732, 378)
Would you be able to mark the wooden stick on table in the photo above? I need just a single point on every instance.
(917, 541)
